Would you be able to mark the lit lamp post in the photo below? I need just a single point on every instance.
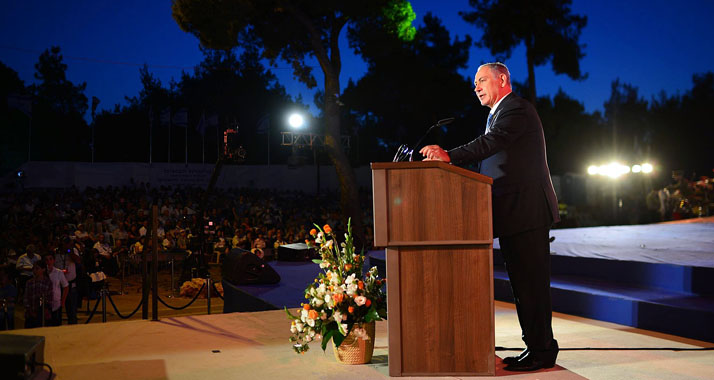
(297, 121)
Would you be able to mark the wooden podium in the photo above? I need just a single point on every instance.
(435, 221)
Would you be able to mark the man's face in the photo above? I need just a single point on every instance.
(50, 260)
(487, 86)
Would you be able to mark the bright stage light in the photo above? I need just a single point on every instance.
(296, 120)
(614, 170)
(636, 168)
(647, 168)
(593, 170)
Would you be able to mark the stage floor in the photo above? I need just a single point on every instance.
(687, 242)
(255, 346)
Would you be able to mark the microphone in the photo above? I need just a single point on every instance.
(404, 152)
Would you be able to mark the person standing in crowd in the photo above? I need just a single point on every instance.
(38, 297)
(67, 259)
(25, 263)
(512, 152)
(60, 290)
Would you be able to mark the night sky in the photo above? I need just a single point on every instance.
(654, 45)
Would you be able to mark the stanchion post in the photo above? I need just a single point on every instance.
(145, 283)
(42, 310)
(104, 304)
(155, 261)
(208, 291)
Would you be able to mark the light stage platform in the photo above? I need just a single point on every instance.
(255, 346)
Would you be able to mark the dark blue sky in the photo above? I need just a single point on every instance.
(654, 45)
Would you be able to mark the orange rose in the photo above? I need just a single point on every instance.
(327, 228)
(306, 306)
(312, 314)
(351, 309)
(348, 266)
(360, 285)
(313, 232)
(368, 302)
(338, 297)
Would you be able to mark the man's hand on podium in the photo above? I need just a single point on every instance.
(434, 153)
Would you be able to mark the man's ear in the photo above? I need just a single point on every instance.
(504, 80)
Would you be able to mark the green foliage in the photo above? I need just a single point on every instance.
(401, 15)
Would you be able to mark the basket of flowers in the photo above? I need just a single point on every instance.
(343, 302)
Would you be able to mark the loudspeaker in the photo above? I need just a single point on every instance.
(295, 252)
(20, 355)
(242, 268)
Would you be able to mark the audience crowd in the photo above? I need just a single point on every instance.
(53, 242)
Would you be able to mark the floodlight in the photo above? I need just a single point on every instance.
(296, 120)
(636, 168)
(647, 168)
(593, 170)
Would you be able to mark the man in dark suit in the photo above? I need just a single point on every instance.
(512, 152)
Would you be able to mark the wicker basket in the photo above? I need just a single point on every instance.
(354, 350)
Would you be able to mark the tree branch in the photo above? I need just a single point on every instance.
(315, 40)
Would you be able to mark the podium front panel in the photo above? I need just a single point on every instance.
(441, 318)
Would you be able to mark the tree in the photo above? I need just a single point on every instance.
(409, 86)
(59, 129)
(547, 29)
(293, 31)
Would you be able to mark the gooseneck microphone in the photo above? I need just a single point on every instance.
(404, 152)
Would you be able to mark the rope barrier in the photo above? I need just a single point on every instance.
(96, 305)
(141, 301)
(213, 283)
(188, 304)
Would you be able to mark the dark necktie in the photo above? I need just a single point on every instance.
(488, 123)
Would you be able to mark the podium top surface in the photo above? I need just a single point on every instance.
(432, 164)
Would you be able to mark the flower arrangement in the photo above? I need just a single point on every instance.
(341, 298)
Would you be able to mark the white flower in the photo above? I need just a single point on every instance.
(308, 338)
(293, 329)
(324, 265)
(351, 278)
(361, 333)
(360, 300)
(317, 302)
(303, 314)
(318, 239)
(329, 243)
(343, 328)
(299, 326)
(351, 289)
(328, 299)
(337, 315)
(310, 322)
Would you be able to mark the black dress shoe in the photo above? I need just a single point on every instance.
(530, 363)
(512, 359)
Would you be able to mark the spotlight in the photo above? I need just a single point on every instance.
(647, 168)
(296, 120)
(20, 174)
(593, 170)
(636, 168)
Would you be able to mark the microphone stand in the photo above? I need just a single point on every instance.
(403, 151)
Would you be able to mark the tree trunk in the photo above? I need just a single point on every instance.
(349, 194)
(531, 73)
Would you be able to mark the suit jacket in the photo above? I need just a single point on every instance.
(513, 154)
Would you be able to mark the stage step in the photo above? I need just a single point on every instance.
(666, 298)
